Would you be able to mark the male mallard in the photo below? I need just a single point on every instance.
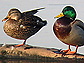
(69, 30)
(22, 25)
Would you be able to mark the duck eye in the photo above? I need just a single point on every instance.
(66, 10)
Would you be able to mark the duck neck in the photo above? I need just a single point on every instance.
(64, 21)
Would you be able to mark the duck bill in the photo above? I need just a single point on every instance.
(5, 18)
(60, 15)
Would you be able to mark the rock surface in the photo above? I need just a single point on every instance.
(31, 52)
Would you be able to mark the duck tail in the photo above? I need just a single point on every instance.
(44, 22)
(40, 8)
(32, 12)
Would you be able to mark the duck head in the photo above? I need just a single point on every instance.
(68, 12)
(13, 14)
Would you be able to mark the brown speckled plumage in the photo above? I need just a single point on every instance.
(25, 26)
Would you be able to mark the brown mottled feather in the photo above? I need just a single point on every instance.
(25, 27)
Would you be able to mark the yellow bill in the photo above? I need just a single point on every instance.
(60, 15)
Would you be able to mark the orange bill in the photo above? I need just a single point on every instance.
(5, 18)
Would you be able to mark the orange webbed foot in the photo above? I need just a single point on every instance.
(20, 44)
(71, 52)
(65, 51)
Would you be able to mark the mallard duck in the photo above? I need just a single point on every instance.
(22, 25)
(69, 30)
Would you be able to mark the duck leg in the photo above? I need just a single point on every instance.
(65, 51)
(72, 52)
(20, 44)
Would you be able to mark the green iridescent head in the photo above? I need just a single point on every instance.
(69, 12)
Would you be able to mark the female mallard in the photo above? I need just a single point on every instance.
(22, 25)
(69, 30)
